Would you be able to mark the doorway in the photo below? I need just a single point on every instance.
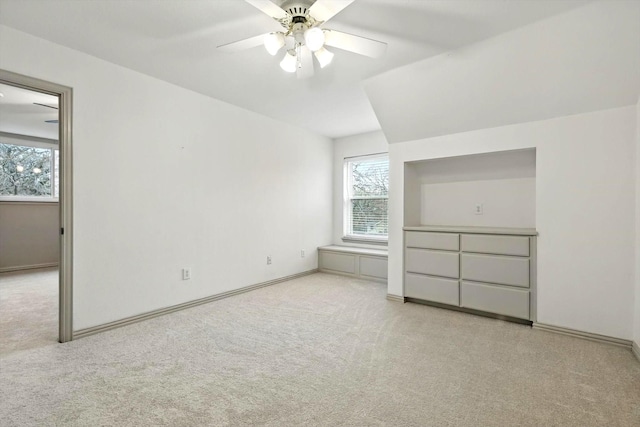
(63, 189)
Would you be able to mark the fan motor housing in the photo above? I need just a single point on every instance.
(296, 8)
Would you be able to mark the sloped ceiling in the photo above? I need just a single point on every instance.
(585, 60)
(175, 40)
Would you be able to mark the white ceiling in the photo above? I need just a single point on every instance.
(175, 40)
(582, 61)
(20, 115)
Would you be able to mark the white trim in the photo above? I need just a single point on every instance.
(28, 267)
(384, 253)
(355, 276)
(346, 201)
(581, 334)
(395, 298)
(162, 311)
(65, 127)
(635, 349)
(367, 240)
(366, 156)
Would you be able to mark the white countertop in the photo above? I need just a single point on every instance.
(474, 230)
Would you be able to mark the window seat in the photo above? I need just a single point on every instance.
(353, 261)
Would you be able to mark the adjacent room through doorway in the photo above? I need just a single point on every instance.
(30, 226)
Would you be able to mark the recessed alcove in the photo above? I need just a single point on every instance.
(495, 189)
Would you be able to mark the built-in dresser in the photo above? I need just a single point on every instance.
(478, 269)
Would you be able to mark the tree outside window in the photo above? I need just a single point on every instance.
(367, 197)
(27, 171)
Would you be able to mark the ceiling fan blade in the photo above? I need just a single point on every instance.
(361, 45)
(239, 45)
(306, 60)
(269, 8)
(323, 10)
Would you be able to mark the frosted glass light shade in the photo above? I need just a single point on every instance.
(288, 63)
(324, 57)
(314, 39)
(273, 42)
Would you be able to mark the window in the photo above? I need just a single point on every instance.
(366, 198)
(28, 170)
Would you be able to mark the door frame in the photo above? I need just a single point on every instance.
(65, 198)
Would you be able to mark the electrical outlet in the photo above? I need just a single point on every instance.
(302, 253)
(268, 259)
(186, 273)
(479, 209)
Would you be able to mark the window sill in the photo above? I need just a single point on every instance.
(26, 199)
(365, 240)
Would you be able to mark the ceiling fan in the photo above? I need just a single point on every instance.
(304, 35)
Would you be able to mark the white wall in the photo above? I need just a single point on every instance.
(585, 206)
(165, 178)
(567, 86)
(505, 203)
(352, 146)
(29, 235)
(449, 189)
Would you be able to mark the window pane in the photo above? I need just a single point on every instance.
(25, 171)
(369, 217)
(370, 178)
(368, 188)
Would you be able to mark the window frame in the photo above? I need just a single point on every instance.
(36, 142)
(347, 235)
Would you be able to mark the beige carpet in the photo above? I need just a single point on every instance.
(321, 350)
(28, 309)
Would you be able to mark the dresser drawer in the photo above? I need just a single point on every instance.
(432, 262)
(428, 240)
(501, 245)
(445, 291)
(496, 269)
(495, 299)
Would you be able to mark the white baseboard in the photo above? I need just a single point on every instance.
(635, 348)
(355, 276)
(584, 335)
(81, 333)
(28, 267)
(395, 298)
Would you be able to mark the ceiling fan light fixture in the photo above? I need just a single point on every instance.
(273, 42)
(304, 35)
(289, 63)
(314, 38)
(323, 56)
